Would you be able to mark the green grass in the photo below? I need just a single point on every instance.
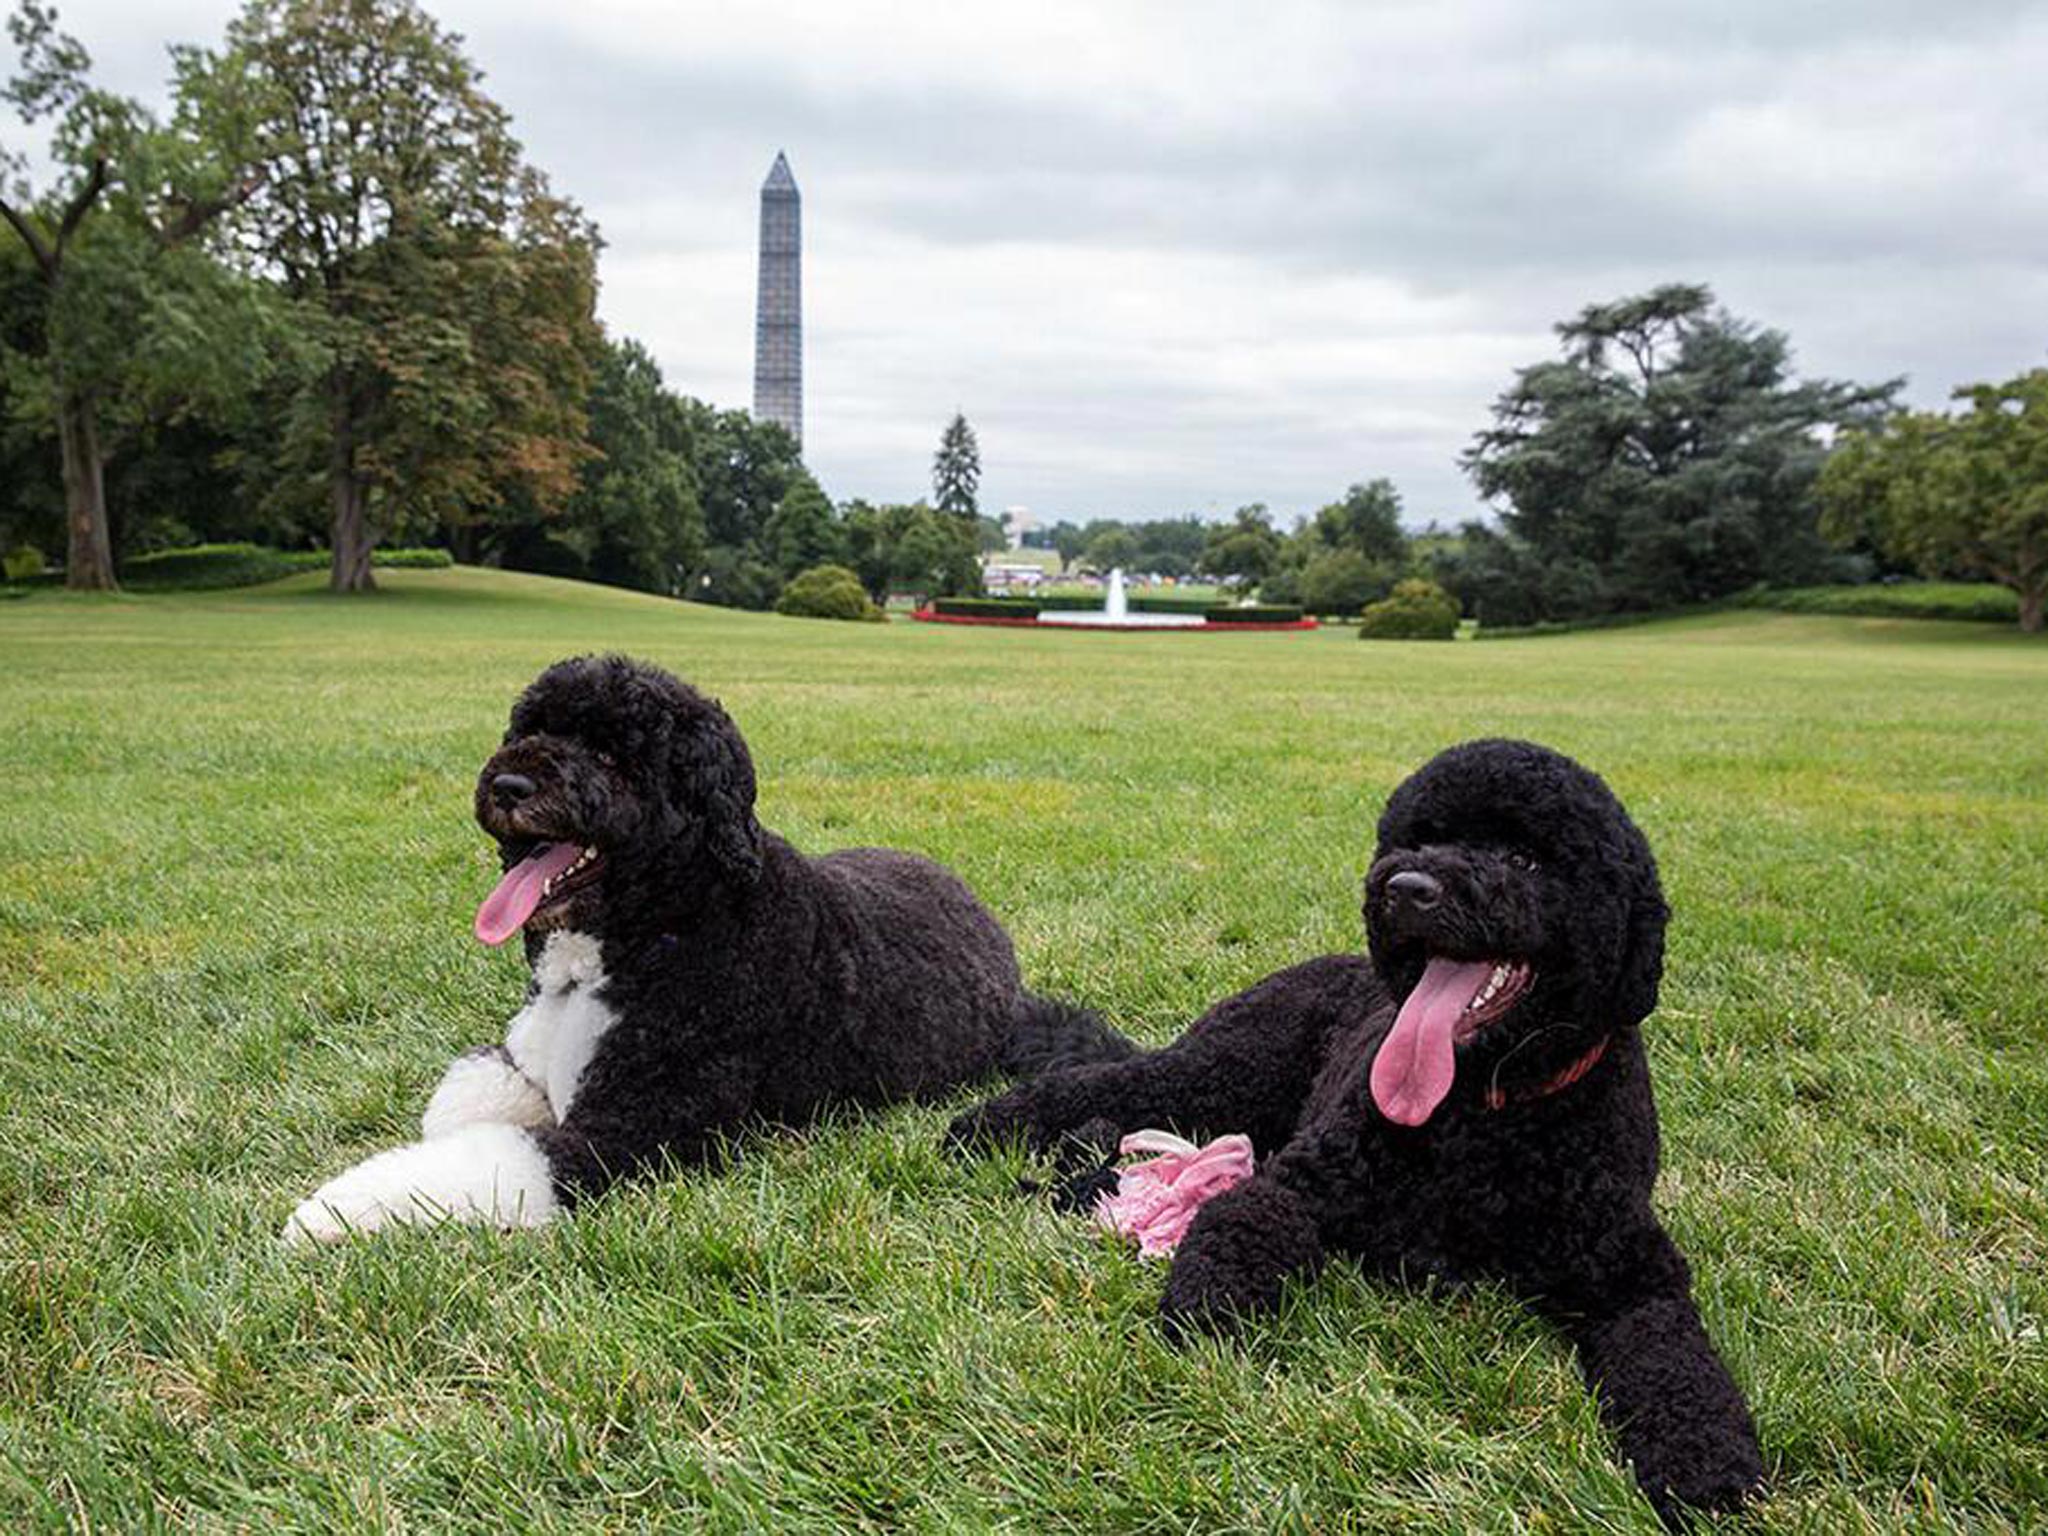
(236, 875)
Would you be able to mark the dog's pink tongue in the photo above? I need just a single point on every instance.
(512, 903)
(1413, 1070)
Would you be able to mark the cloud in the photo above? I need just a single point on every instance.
(1176, 256)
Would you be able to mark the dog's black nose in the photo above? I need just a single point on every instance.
(508, 789)
(1414, 890)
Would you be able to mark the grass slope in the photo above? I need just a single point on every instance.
(236, 874)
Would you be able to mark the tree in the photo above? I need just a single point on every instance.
(804, 531)
(911, 548)
(1669, 452)
(444, 292)
(1367, 520)
(1963, 494)
(634, 519)
(1244, 549)
(130, 196)
(1341, 581)
(956, 469)
(1111, 548)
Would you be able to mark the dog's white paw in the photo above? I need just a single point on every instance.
(484, 1088)
(495, 1174)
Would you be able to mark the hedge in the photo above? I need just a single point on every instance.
(986, 607)
(1264, 613)
(1976, 602)
(207, 567)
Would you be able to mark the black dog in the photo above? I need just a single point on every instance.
(692, 974)
(1497, 1124)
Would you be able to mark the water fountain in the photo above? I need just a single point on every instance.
(1115, 612)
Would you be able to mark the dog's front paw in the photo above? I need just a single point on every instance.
(1706, 1488)
(993, 1123)
(481, 1173)
(1236, 1258)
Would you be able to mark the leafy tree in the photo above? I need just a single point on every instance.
(1112, 547)
(1340, 581)
(1367, 520)
(1244, 549)
(634, 519)
(1962, 494)
(743, 468)
(736, 577)
(443, 292)
(1669, 452)
(1067, 540)
(804, 531)
(911, 548)
(956, 469)
(126, 324)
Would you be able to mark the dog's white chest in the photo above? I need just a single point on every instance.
(554, 1036)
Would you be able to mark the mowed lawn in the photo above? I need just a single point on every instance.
(237, 872)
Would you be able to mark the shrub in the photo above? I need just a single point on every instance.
(827, 592)
(1264, 613)
(1342, 581)
(20, 564)
(1979, 602)
(209, 567)
(985, 607)
(1415, 610)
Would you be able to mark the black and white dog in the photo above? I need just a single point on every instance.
(692, 974)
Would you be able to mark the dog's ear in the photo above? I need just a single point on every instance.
(1642, 953)
(711, 779)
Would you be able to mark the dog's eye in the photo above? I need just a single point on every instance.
(1521, 860)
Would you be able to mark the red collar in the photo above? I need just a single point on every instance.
(1498, 1097)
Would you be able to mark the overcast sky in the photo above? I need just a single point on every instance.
(1175, 257)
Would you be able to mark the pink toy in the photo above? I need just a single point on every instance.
(1156, 1200)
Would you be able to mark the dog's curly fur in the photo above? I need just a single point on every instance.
(699, 977)
(1524, 1174)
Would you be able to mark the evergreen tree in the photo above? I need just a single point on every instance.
(1669, 453)
(956, 469)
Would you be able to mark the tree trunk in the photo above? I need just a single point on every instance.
(351, 534)
(2030, 607)
(90, 564)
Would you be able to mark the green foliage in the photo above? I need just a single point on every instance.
(1963, 494)
(804, 532)
(1667, 458)
(735, 578)
(1255, 613)
(912, 548)
(827, 592)
(1112, 548)
(634, 519)
(1242, 550)
(956, 469)
(1341, 581)
(1415, 610)
(1976, 602)
(138, 326)
(442, 292)
(22, 562)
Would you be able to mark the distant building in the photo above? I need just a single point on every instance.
(779, 305)
(1018, 521)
